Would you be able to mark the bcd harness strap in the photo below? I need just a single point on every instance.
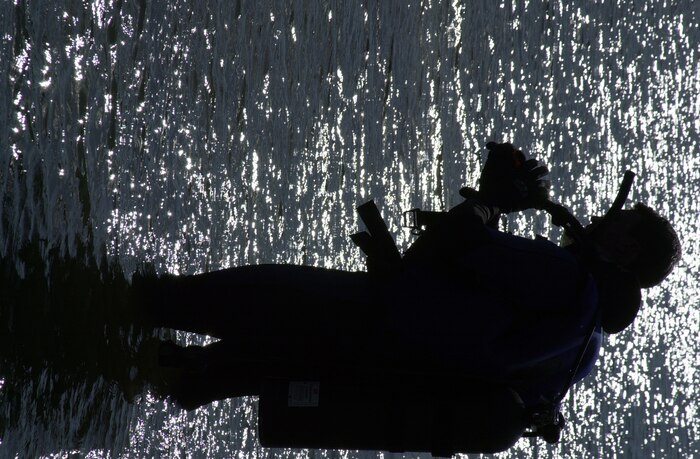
(377, 243)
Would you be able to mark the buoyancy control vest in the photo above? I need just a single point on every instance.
(511, 309)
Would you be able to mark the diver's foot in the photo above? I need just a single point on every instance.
(171, 370)
(131, 375)
(162, 379)
(170, 355)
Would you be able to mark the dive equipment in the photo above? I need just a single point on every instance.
(402, 409)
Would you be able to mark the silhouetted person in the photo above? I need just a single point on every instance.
(465, 298)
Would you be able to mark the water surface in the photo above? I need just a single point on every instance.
(189, 136)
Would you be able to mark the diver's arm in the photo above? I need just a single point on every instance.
(473, 206)
(509, 182)
(458, 231)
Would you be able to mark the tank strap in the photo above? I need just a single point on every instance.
(383, 256)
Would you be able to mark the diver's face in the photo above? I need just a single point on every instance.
(614, 237)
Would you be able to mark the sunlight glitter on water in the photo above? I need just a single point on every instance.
(218, 135)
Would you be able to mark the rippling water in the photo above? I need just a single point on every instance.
(191, 136)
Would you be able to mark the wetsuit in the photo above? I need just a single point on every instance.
(467, 298)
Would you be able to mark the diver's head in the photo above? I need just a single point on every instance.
(638, 240)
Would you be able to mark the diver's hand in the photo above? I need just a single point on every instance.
(532, 184)
(512, 182)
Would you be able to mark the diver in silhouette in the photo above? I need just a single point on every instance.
(464, 299)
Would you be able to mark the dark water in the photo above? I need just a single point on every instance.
(189, 136)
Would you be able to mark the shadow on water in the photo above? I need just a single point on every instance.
(68, 352)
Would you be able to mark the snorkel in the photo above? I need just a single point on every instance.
(573, 228)
(622, 193)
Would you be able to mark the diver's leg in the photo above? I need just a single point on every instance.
(254, 299)
(207, 374)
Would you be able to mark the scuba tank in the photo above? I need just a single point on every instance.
(387, 411)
